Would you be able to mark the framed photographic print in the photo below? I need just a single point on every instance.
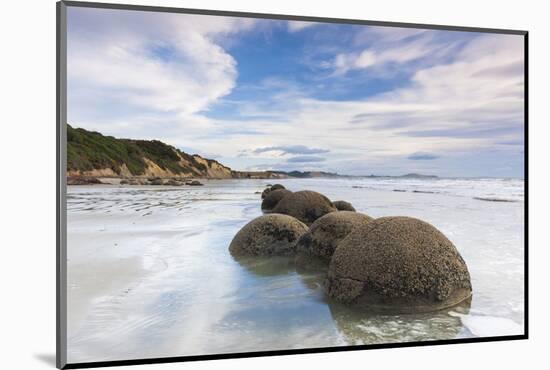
(235, 184)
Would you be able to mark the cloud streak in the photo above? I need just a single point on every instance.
(295, 26)
(291, 149)
(420, 156)
(305, 159)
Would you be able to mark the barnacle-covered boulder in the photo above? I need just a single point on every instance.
(307, 206)
(326, 233)
(268, 235)
(398, 263)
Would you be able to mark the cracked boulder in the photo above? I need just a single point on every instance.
(398, 264)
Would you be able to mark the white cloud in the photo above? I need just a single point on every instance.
(152, 61)
(295, 26)
(390, 45)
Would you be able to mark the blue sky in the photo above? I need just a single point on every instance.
(286, 95)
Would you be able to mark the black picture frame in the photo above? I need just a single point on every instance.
(61, 186)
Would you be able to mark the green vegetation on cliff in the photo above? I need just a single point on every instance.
(88, 150)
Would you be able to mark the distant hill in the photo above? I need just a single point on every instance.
(90, 153)
(309, 174)
(418, 176)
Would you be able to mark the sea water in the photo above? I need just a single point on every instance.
(150, 275)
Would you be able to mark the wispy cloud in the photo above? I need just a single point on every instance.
(295, 26)
(305, 159)
(291, 149)
(389, 46)
(420, 156)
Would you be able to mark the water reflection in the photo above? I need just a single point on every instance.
(358, 325)
(267, 266)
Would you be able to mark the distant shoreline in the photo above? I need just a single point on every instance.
(196, 181)
(73, 179)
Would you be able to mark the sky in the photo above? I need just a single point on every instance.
(259, 94)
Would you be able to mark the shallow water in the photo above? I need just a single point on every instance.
(150, 275)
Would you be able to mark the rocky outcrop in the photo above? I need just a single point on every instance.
(194, 183)
(82, 180)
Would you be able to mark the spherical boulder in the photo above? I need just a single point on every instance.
(307, 206)
(273, 198)
(398, 264)
(327, 232)
(268, 235)
(342, 205)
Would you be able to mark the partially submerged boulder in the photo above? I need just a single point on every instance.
(326, 233)
(398, 264)
(342, 205)
(306, 205)
(273, 198)
(268, 235)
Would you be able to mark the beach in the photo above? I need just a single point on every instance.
(150, 274)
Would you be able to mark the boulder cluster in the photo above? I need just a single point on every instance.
(394, 264)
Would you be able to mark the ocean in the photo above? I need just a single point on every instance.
(150, 274)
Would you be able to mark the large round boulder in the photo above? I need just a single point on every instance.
(307, 206)
(268, 235)
(273, 198)
(400, 264)
(342, 205)
(327, 232)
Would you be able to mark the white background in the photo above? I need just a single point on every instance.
(27, 196)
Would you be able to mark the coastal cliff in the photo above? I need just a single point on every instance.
(91, 154)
